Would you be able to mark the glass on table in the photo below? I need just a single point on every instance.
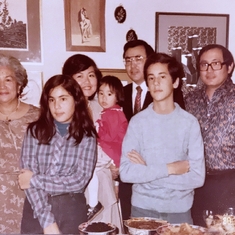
(223, 222)
(208, 217)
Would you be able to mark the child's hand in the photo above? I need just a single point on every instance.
(114, 171)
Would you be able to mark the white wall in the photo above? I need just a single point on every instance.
(140, 17)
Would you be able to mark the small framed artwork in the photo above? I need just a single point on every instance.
(182, 35)
(20, 29)
(32, 92)
(85, 25)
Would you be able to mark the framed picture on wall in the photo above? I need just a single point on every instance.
(85, 25)
(182, 35)
(183, 29)
(32, 92)
(20, 29)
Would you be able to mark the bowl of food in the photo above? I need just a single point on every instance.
(97, 228)
(143, 225)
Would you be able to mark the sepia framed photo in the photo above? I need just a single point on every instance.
(85, 25)
(20, 29)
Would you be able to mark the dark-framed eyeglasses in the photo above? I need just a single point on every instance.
(138, 59)
(217, 65)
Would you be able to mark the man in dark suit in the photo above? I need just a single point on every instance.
(135, 54)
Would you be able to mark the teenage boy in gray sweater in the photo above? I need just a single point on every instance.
(162, 152)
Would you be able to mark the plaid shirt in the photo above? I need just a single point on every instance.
(217, 121)
(59, 167)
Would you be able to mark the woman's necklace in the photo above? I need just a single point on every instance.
(8, 115)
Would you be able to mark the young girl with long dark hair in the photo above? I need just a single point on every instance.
(58, 157)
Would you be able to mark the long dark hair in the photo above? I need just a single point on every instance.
(44, 128)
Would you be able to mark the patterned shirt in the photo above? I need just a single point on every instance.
(217, 121)
(11, 196)
(59, 167)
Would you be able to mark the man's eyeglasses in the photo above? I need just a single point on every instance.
(217, 65)
(138, 59)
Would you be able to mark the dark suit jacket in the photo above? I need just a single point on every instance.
(127, 106)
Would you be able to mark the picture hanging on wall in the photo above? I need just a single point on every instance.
(182, 35)
(85, 25)
(32, 92)
(20, 29)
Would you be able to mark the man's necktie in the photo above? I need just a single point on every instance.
(137, 106)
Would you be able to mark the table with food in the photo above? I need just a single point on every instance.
(216, 224)
(223, 224)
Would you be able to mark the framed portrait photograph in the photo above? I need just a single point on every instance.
(182, 35)
(20, 29)
(85, 25)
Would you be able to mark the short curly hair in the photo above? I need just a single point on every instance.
(20, 72)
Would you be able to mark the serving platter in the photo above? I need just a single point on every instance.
(184, 229)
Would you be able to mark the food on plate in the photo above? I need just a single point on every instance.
(143, 225)
(183, 229)
(222, 223)
(87, 228)
(98, 227)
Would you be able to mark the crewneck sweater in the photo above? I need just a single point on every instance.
(161, 139)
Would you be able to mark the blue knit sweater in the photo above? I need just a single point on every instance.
(162, 139)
